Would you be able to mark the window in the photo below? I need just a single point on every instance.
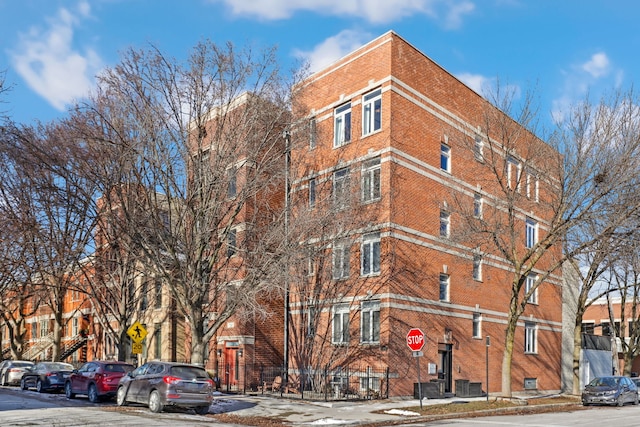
(144, 301)
(312, 315)
(444, 287)
(370, 322)
(530, 383)
(531, 233)
(529, 284)
(533, 187)
(312, 133)
(342, 125)
(340, 261)
(371, 112)
(371, 180)
(158, 293)
(477, 205)
(368, 384)
(513, 174)
(445, 158)
(340, 322)
(231, 183)
(311, 262)
(478, 149)
(370, 254)
(231, 243)
(341, 188)
(530, 337)
(312, 192)
(588, 328)
(445, 223)
(75, 327)
(632, 328)
(44, 328)
(607, 331)
(477, 325)
(477, 267)
(157, 335)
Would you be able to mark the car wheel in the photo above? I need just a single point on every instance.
(23, 384)
(5, 380)
(93, 394)
(39, 386)
(636, 400)
(67, 390)
(155, 402)
(121, 396)
(202, 410)
(620, 401)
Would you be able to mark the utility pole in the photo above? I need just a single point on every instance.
(287, 139)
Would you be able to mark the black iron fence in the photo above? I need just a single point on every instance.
(348, 382)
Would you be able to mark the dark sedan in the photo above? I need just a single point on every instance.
(610, 390)
(46, 376)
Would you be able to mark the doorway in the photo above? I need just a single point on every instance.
(445, 359)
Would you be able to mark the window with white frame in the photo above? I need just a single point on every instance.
(312, 192)
(340, 260)
(311, 320)
(75, 327)
(312, 133)
(477, 205)
(530, 337)
(444, 287)
(370, 254)
(371, 180)
(370, 322)
(231, 243)
(531, 233)
(341, 188)
(342, 125)
(371, 112)
(529, 285)
(588, 328)
(477, 325)
(477, 267)
(311, 261)
(445, 223)
(231, 182)
(478, 149)
(44, 328)
(533, 187)
(513, 174)
(340, 333)
(34, 330)
(445, 158)
(368, 384)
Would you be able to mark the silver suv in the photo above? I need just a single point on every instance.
(160, 384)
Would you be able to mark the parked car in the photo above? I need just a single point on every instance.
(11, 371)
(160, 384)
(610, 390)
(97, 379)
(46, 376)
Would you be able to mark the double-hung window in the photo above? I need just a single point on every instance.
(342, 125)
(529, 287)
(477, 267)
(371, 112)
(340, 260)
(340, 323)
(341, 188)
(514, 172)
(370, 254)
(313, 136)
(477, 205)
(370, 322)
(371, 180)
(477, 325)
(445, 158)
(531, 233)
(444, 287)
(445, 224)
(231, 243)
(231, 182)
(312, 192)
(478, 149)
(530, 337)
(533, 187)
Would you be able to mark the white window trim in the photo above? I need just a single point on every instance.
(531, 233)
(445, 152)
(368, 105)
(367, 250)
(369, 308)
(369, 168)
(340, 114)
(478, 149)
(477, 267)
(447, 282)
(530, 338)
(478, 205)
(530, 281)
(340, 253)
(445, 219)
(341, 310)
(477, 320)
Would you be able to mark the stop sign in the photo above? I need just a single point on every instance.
(415, 339)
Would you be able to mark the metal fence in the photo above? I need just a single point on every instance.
(348, 382)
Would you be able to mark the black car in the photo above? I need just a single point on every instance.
(610, 390)
(46, 376)
(160, 384)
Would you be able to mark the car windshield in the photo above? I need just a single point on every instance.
(21, 364)
(604, 382)
(189, 372)
(118, 367)
(59, 367)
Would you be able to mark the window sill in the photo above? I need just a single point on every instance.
(364, 135)
(376, 274)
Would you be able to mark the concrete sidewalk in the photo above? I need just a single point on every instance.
(313, 412)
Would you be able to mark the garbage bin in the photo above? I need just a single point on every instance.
(462, 388)
(475, 389)
(430, 390)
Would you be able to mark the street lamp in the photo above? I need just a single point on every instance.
(487, 344)
(287, 150)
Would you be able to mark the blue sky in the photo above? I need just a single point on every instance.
(51, 50)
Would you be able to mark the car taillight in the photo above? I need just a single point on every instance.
(52, 374)
(171, 380)
(210, 382)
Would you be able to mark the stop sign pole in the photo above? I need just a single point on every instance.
(415, 341)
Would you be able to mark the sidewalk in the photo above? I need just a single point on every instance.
(312, 412)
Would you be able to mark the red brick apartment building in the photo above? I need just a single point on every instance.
(391, 140)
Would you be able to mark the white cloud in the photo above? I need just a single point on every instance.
(376, 11)
(477, 82)
(47, 61)
(598, 65)
(333, 48)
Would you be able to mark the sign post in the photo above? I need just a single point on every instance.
(415, 341)
(488, 343)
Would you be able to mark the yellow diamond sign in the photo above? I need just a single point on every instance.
(137, 332)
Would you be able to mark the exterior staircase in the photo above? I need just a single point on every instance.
(71, 348)
(39, 347)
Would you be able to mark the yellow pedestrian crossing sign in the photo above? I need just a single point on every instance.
(137, 332)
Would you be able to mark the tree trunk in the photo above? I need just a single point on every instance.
(198, 346)
(577, 345)
(507, 357)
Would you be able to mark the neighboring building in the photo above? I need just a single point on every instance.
(390, 138)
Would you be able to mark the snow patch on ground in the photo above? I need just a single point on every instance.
(401, 412)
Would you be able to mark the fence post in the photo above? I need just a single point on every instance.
(386, 393)
(326, 382)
